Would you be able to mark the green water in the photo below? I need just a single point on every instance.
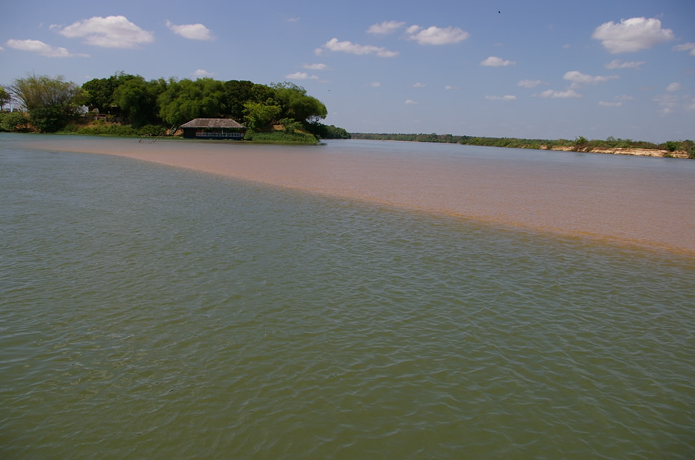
(153, 312)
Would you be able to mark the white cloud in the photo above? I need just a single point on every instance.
(108, 32)
(374, 84)
(293, 19)
(494, 61)
(2, 49)
(301, 76)
(200, 73)
(686, 47)
(449, 87)
(632, 35)
(41, 48)
(579, 79)
(418, 85)
(315, 66)
(191, 31)
(507, 97)
(353, 48)
(410, 102)
(436, 36)
(617, 64)
(531, 83)
(667, 103)
(673, 87)
(617, 101)
(567, 94)
(385, 27)
(670, 103)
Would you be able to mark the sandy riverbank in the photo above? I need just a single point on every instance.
(636, 208)
(628, 151)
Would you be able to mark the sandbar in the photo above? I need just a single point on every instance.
(616, 204)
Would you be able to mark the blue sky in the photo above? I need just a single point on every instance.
(503, 68)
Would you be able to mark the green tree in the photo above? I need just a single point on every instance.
(13, 122)
(185, 100)
(238, 93)
(5, 97)
(580, 142)
(672, 146)
(260, 115)
(328, 132)
(290, 126)
(99, 92)
(51, 102)
(296, 104)
(689, 147)
(137, 99)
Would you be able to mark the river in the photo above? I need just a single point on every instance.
(348, 308)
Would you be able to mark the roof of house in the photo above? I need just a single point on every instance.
(212, 123)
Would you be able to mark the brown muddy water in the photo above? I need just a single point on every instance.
(646, 201)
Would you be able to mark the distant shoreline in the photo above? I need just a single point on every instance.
(672, 149)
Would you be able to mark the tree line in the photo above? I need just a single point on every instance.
(578, 144)
(51, 104)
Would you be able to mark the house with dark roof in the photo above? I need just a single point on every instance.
(213, 128)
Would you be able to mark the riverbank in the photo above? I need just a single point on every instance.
(670, 149)
(659, 153)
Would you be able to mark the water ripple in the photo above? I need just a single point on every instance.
(230, 320)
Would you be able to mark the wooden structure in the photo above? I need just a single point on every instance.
(213, 128)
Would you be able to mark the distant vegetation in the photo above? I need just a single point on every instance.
(129, 105)
(683, 148)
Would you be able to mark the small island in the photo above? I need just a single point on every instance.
(129, 105)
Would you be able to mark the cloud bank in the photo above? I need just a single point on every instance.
(42, 49)
(191, 31)
(432, 35)
(617, 64)
(494, 61)
(632, 35)
(530, 83)
(579, 79)
(353, 48)
(108, 32)
(301, 76)
(385, 27)
(436, 36)
(567, 94)
(507, 97)
(686, 47)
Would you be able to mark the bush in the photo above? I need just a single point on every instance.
(672, 146)
(290, 125)
(50, 119)
(13, 122)
(279, 137)
(689, 147)
(101, 129)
